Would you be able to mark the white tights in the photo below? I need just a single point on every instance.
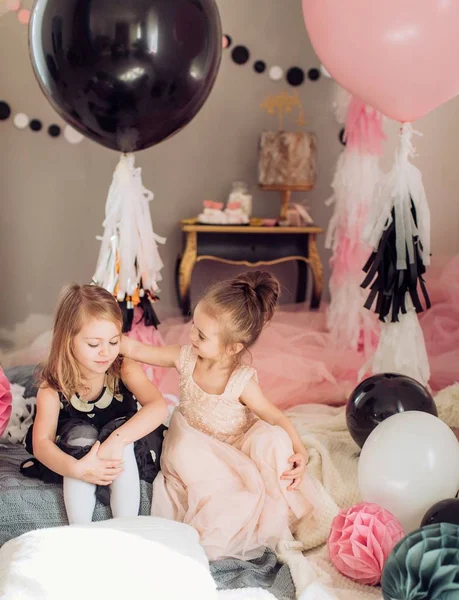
(80, 497)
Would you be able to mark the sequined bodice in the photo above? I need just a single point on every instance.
(221, 416)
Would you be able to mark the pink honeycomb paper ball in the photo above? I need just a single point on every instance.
(5, 402)
(360, 541)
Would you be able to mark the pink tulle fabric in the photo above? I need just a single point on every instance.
(294, 360)
(297, 363)
(360, 541)
(5, 402)
(440, 324)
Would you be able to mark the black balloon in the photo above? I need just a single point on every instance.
(381, 396)
(126, 73)
(446, 511)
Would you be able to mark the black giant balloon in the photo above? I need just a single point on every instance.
(126, 73)
(381, 396)
(446, 511)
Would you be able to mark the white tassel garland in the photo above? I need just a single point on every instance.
(129, 264)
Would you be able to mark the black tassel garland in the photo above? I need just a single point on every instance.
(388, 285)
(148, 312)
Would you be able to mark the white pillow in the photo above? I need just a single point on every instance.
(177, 536)
(98, 562)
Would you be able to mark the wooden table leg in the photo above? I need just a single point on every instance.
(317, 271)
(301, 281)
(185, 269)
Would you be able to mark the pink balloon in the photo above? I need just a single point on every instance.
(399, 56)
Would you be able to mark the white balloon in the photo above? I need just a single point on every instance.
(408, 463)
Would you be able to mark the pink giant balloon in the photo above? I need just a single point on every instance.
(399, 56)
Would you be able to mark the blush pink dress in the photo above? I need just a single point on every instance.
(221, 469)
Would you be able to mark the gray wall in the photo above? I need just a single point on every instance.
(53, 194)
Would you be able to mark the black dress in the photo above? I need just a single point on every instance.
(81, 424)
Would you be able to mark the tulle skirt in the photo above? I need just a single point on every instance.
(231, 493)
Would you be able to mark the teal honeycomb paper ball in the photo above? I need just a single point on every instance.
(424, 565)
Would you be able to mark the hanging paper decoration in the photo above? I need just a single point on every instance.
(36, 125)
(399, 233)
(226, 41)
(11, 5)
(23, 14)
(354, 186)
(54, 130)
(6, 6)
(129, 264)
(72, 136)
(275, 73)
(5, 111)
(294, 76)
(22, 121)
(240, 55)
(324, 72)
(259, 66)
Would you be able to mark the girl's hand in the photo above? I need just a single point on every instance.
(112, 448)
(299, 461)
(93, 469)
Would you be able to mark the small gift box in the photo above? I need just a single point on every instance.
(298, 216)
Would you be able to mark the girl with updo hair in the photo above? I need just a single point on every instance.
(232, 466)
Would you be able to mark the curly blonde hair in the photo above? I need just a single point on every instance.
(77, 303)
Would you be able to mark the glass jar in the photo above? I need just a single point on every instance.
(240, 193)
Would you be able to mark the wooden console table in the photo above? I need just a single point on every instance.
(250, 246)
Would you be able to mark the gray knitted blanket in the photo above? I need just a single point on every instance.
(263, 572)
(27, 504)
